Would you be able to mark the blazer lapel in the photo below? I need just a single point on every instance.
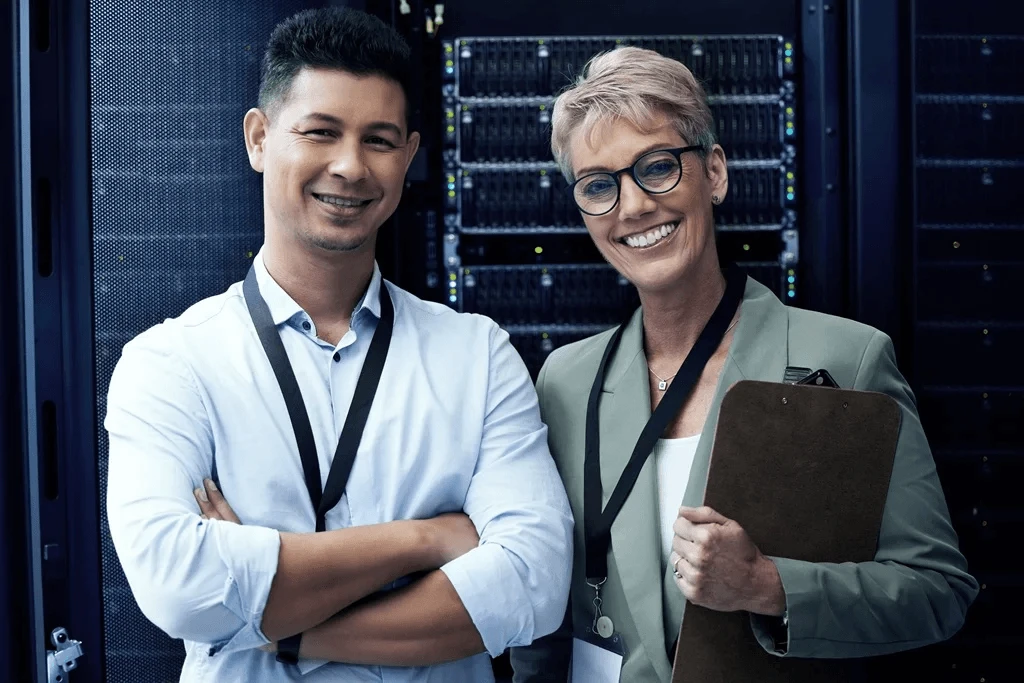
(625, 410)
(759, 351)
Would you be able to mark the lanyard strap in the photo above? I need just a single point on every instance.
(598, 524)
(366, 388)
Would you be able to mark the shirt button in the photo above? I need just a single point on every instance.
(305, 325)
(337, 357)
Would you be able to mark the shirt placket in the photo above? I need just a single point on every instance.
(343, 372)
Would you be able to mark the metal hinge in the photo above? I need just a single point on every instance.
(65, 658)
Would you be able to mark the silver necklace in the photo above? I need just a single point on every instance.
(663, 383)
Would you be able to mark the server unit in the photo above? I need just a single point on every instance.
(968, 236)
(514, 245)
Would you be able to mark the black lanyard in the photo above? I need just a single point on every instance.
(359, 410)
(598, 524)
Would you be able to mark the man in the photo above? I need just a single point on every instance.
(200, 413)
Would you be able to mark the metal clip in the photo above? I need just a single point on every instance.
(64, 659)
(597, 601)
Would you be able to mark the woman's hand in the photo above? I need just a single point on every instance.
(717, 565)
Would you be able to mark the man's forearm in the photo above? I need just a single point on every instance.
(320, 574)
(419, 625)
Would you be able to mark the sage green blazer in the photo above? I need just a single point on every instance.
(916, 591)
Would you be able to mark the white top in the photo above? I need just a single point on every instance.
(454, 426)
(674, 459)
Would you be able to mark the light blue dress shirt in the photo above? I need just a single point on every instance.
(454, 426)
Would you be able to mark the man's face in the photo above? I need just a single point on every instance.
(333, 155)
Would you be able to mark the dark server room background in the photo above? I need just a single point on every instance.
(876, 157)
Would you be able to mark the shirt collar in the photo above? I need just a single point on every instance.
(283, 307)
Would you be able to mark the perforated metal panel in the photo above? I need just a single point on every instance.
(176, 210)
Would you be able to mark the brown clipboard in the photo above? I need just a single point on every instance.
(805, 471)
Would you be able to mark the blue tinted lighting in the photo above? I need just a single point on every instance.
(453, 299)
(789, 131)
(790, 196)
(451, 186)
(792, 294)
(792, 279)
(450, 70)
(789, 53)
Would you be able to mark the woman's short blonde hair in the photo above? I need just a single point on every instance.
(633, 84)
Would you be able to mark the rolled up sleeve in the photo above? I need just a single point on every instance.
(515, 585)
(201, 581)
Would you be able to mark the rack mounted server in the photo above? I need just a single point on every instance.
(968, 114)
(514, 245)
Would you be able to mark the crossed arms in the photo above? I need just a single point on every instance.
(238, 587)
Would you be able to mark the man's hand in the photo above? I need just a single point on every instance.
(212, 504)
(720, 566)
(452, 535)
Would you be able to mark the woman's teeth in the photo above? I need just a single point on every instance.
(651, 237)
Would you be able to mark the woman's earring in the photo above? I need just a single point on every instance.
(715, 200)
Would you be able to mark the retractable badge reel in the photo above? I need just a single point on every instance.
(597, 653)
(602, 624)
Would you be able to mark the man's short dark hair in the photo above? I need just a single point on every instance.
(332, 38)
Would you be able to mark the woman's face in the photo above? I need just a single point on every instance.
(653, 240)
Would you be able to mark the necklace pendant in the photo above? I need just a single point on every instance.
(662, 385)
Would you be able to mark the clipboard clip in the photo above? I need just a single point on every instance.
(794, 374)
(819, 378)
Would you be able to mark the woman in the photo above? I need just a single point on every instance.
(634, 138)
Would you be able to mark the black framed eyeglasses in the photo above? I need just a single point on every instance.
(655, 172)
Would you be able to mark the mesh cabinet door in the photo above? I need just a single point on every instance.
(176, 210)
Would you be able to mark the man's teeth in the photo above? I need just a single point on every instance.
(653, 236)
(338, 201)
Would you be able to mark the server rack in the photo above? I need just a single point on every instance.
(514, 245)
(973, 419)
(968, 323)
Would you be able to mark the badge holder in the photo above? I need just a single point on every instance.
(597, 651)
